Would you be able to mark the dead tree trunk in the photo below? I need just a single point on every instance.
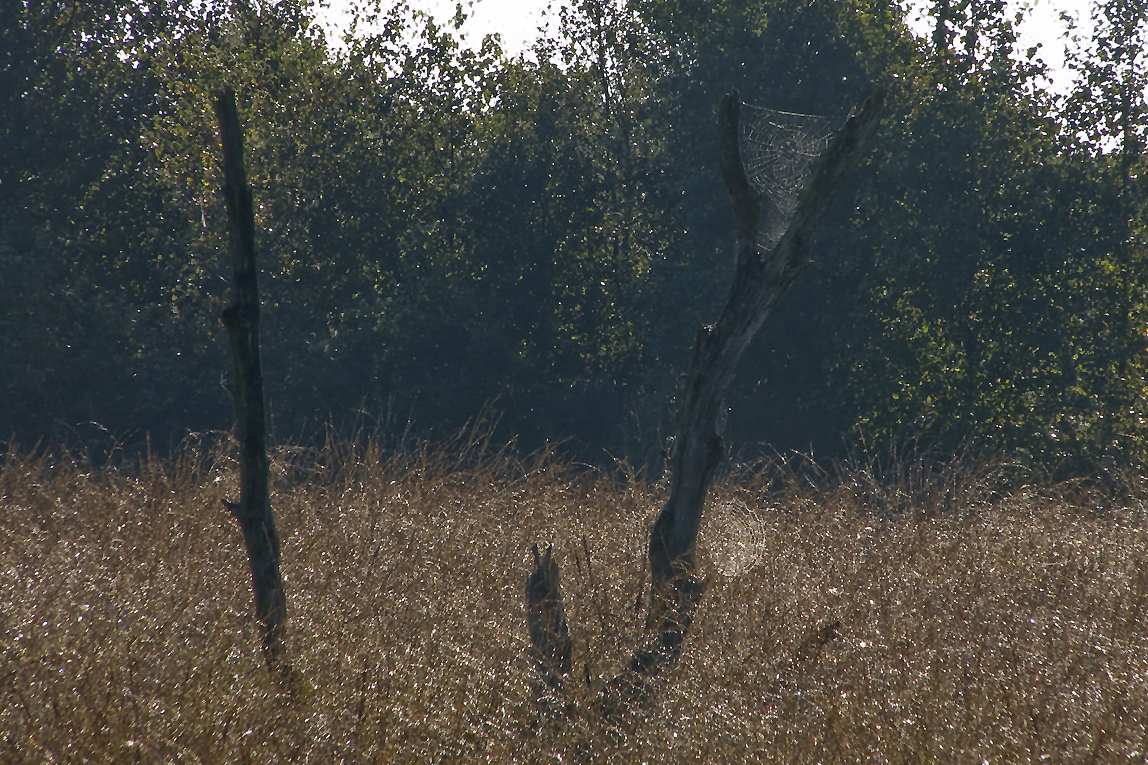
(760, 281)
(253, 511)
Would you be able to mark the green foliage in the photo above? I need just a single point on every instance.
(984, 291)
(85, 239)
(1003, 303)
(444, 227)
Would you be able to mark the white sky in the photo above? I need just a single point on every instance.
(1042, 25)
(517, 21)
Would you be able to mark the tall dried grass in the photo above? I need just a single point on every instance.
(976, 624)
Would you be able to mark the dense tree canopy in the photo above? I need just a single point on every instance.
(445, 228)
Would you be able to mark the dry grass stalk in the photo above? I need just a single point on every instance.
(994, 626)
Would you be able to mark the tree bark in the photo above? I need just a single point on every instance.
(760, 281)
(253, 511)
(549, 635)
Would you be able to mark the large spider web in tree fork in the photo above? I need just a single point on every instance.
(778, 150)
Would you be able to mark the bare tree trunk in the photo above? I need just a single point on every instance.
(760, 281)
(253, 511)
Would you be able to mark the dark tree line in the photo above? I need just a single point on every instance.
(442, 228)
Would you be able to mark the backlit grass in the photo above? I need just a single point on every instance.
(976, 624)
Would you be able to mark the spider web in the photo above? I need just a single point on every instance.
(778, 150)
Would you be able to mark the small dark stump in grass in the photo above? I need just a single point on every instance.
(549, 635)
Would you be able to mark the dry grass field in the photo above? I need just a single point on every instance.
(977, 624)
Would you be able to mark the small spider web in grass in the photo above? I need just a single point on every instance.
(737, 538)
(778, 150)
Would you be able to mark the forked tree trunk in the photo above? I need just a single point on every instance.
(253, 511)
(760, 281)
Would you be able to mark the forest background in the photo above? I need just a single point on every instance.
(448, 231)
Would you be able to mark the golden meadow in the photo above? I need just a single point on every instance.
(982, 619)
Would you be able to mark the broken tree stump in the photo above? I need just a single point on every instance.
(253, 511)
